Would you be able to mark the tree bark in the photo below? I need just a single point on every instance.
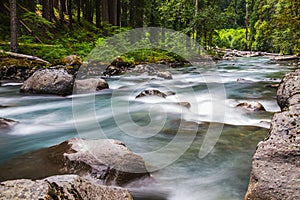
(70, 15)
(78, 10)
(13, 26)
(98, 14)
(62, 7)
(105, 11)
(46, 10)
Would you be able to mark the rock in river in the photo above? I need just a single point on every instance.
(108, 161)
(70, 187)
(276, 163)
(90, 85)
(252, 106)
(6, 123)
(289, 87)
(49, 81)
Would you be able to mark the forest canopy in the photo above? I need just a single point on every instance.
(257, 25)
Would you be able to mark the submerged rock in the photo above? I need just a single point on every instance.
(6, 123)
(252, 106)
(276, 165)
(49, 81)
(70, 187)
(90, 85)
(154, 92)
(108, 161)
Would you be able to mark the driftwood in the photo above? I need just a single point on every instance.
(24, 56)
(286, 58)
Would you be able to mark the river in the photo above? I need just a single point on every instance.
(174, 140)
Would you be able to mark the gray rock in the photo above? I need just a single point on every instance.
(90, 85)
(70, 187)
(6, 123)
(108, 161)
(289, 86)
(276, 165)
(154, 92)
(151, 70)
(252, 106)
(49, 81)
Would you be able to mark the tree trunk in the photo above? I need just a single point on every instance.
(124, 14)
(70, 14)
(98, 14)
(13, 26)
(62, 7)
(105, 11)
(78, 10)
(46, 10)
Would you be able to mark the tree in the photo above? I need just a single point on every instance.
(13, 26)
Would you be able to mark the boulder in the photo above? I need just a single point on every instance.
(72, 60)
(70, 187)
(276, 165)
(108, 161)
(154, 92)
(90, 85)
(49, 81)
(289, 86)
(6, 123)
(252, 106)
(151, 70)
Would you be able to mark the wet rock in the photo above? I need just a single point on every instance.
(289, 86)
(70, 187)
(184, 104)
(152, 70)
(6, 123)
(275, 85)
(117, 67)
(108, 161)
(90, 85)
(276, 164)
(49, 81)
(19, 73)
(242, 80)
(154, 92)
(252, 106)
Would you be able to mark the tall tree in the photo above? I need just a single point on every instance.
(13, 26)
(98, 13)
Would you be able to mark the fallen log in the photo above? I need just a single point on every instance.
(24, 56)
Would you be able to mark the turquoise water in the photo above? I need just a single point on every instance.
(168, 136)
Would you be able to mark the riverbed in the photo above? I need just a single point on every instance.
(200, 152)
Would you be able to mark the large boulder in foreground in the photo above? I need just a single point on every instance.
(49, 81)
(108, 161)
(276, 163)
(70, 187)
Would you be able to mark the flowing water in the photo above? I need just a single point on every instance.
(170, 137)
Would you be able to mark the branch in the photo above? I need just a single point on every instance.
(24, 56)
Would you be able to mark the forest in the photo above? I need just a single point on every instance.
(52, 29)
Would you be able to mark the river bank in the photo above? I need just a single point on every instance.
(276, 164)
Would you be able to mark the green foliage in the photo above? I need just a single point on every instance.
(277, 26)
(231, 38)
